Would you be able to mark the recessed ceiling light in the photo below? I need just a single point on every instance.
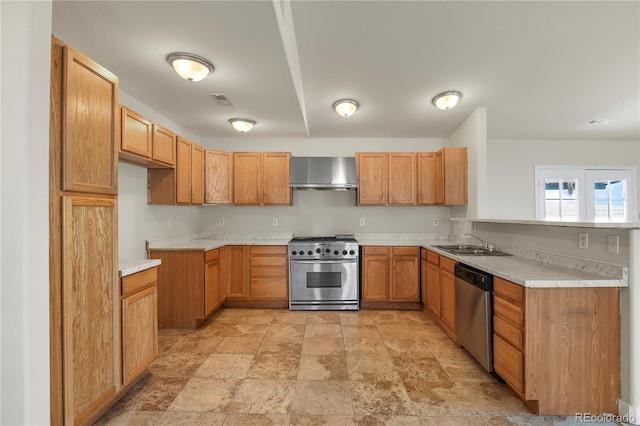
(242, 125)
(189, 66)
(598, 122)
(447, 100)
(345, 107)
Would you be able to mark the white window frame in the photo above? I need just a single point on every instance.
(586, 175)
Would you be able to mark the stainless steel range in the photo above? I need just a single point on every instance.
(324, 273)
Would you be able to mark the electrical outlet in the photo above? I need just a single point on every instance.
(435, 222)
(170, 222)
(275, 221)
(221, 221)
(583, 240)
(362, 221)
(613, 244)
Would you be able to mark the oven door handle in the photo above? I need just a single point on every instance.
(315, 262)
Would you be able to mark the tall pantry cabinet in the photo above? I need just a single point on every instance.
(84, 285)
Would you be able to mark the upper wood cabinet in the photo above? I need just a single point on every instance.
(185, 183)
(261, 178)
(217, 177)
(402, 178)
(427, 178)
(451, 176)
(90, 125)
(372, 178)
(144, 143)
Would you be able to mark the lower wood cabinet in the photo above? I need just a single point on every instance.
(390, 277)
(189, 287)
(440, 288)
(558, 348)
(139, 323)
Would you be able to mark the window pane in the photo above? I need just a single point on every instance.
(602, 210)
(569, 209)
(551, 191)
(601, 190)
(619, 211)
(552, 209)
(570, 190)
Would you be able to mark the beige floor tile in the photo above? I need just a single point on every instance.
(247, 330)
(330, 331)
(132, 418)
(196, 343)
(323, 318)
(356, 318)
(439, 399)
(388, 317)
(494, 398)
(397, 332)
(264, 397)
(206, 395)
(325, 397)
(267, 366)
(258, 316)
(323, 367)
(429, 332)
(239, 345)
(425, 368)
(285, 331)
(229, 316)
(271, 345)
(383, 397)
(167, 337)
(465, 369)
(322, 346)
(177, 364)
(445, 348)
(225, 366)
(214, 329)
(153, 393)
(408, 347)
(257, 420)
(381, 420)
(291, 317)
(357, 331)
(453, 421)
(320, 420)
(371, 368)
(179, 418)
(365, 345)
(523, 420)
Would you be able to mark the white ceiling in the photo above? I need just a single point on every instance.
(542, 69)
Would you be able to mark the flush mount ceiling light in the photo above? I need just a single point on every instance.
(190, 67)
(242, 124)
(446, 100)
(345, 107)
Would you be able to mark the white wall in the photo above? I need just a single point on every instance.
(511, 168)
(24, 221)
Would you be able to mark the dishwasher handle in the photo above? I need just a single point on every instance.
(475, 277)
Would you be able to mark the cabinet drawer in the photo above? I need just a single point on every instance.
(268, 250)
(268, 261)
(509, 332)
(269, 288)
(211, 255)
(447, 264)
(268, 271)
(508, 290)
(507, 310)
(508, 362)
(140, 280)
(405, 251)
(376, 250)
(433, 258)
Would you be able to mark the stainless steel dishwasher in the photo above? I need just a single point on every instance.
(474, 313)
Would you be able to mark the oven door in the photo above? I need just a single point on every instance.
(321, 281)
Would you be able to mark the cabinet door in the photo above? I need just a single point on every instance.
(90, 305)
(223, 274)
(453, 176)
(375, 281)
(423, 281)
(217, 177)
(276, 189)
(405, 278)
(183, 171)
(246, 178)
(136, 134)
(139, 332)
(447, 281)
(402, 178)
(164, 146)
(236, 274)
(90, 126)
(211, 286)
(372, 178)
(427, 178)
(434, 296)
(440, 199)
(197, 174)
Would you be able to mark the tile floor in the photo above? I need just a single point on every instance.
(276, 367)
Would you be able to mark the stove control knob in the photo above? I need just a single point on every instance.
(294, 252)
(344, 252)
(309, 252)
(336, 252)
(318, 250)
(352, 252)
(327, 250)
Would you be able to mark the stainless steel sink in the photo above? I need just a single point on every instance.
(471, 250)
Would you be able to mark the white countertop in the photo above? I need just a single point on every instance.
(131, 266)
(563, 224)
(206, 244)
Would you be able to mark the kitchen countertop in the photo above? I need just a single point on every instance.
(132, 266)
(518, 269)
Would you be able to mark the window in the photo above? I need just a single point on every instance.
(591, 194)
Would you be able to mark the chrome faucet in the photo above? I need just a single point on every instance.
(485, 244)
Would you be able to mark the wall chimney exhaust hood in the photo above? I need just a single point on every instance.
(329, 173)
